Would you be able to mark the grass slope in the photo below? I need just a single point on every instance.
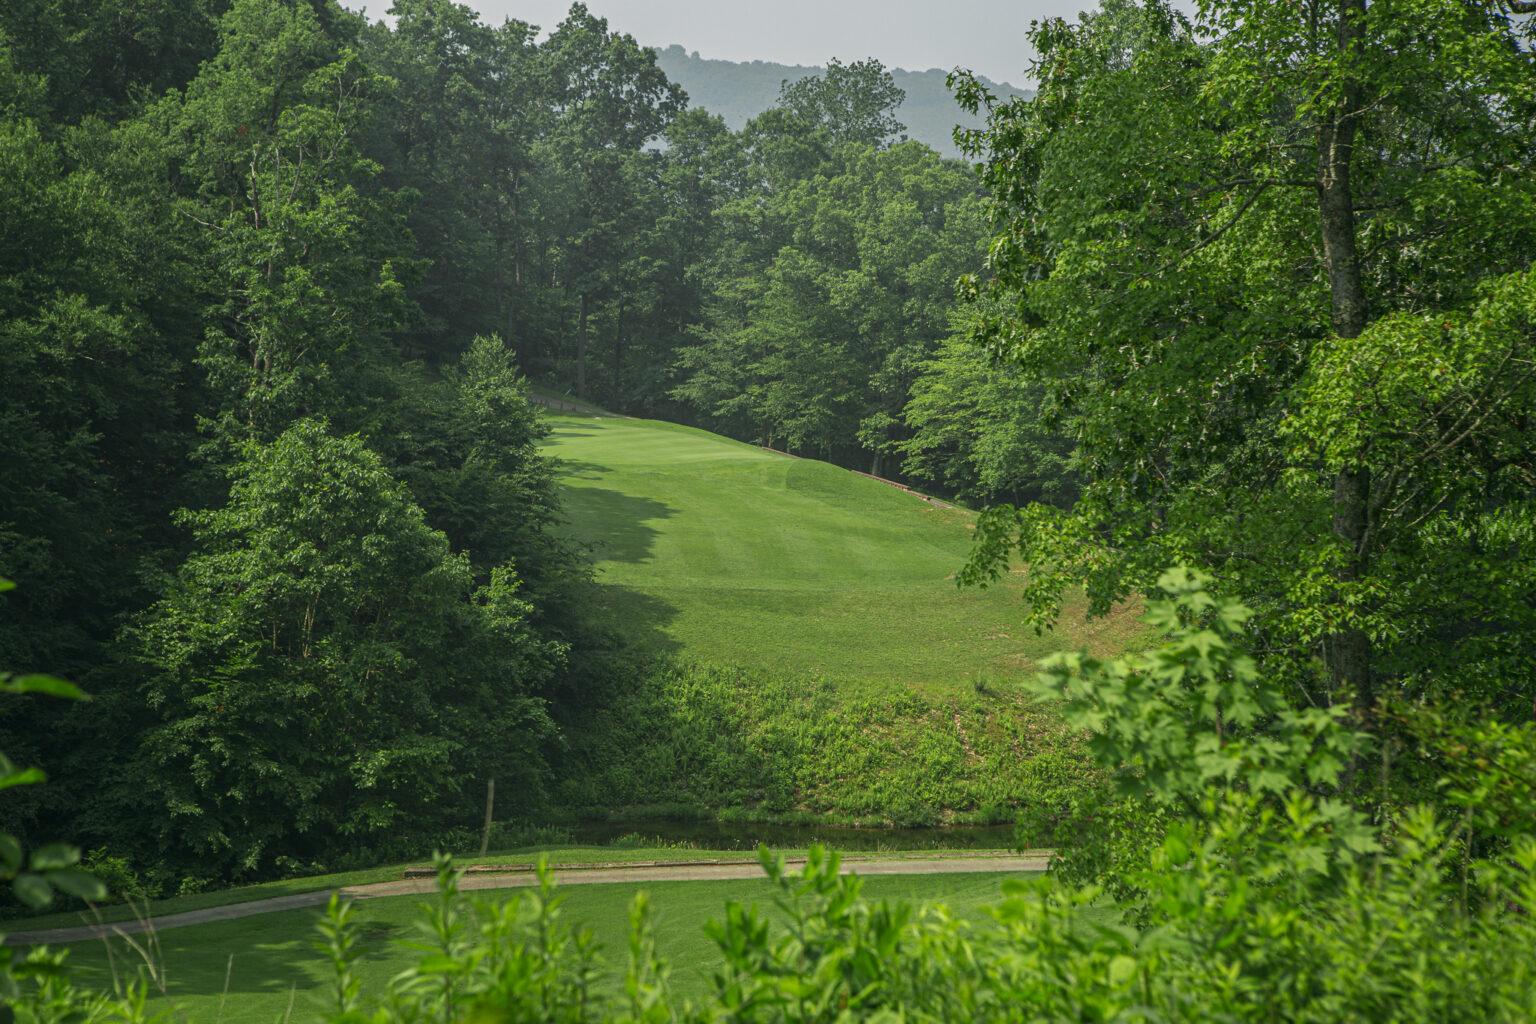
(739, 556)
(274, 959)
(770, 746)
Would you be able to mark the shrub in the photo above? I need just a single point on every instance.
(327, 675)
(1258, 895)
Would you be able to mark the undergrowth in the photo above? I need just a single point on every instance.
(749, 745)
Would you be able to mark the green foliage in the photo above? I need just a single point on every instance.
(1383, 949)
(326, 672)
(837, 288)
(979, 429)
(853, 103)
(1225, 253)
(1484, 772)
(34, 877)
(514, 959)
(1263, 898)
(1436, 405)
(213, 234)
(104, 56)
(776, 745)
(1191, 729)
(828, 275)
(307, 258)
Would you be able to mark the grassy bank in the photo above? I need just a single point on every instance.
(768, 746)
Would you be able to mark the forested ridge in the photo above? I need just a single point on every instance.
(1244, 335)
(741, 90)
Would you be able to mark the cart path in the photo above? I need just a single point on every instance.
(522, 877)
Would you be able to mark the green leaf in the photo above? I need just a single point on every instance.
(33, 890)
(78, 882)
(49, 685)
(55, 856)
(439, 965)
(10, 853)
(1360, 840)
(24, 777)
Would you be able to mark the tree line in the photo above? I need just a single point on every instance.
(1270, 271)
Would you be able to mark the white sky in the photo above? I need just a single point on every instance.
(986, 36)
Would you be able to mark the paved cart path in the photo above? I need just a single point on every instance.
(518, 877)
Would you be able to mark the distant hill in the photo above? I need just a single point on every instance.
(740, 91)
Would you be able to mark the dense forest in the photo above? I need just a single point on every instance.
(1244, 334)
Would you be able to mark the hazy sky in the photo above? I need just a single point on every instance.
(984, 35)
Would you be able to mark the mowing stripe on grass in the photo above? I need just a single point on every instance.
(728, 553)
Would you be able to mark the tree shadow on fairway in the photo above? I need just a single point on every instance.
(616, 526)
(576, 469)
(640, 618)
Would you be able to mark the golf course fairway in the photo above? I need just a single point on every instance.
(733, 554)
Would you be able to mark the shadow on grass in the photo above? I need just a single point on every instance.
(576, 469)
(616, 525)
(640, 619)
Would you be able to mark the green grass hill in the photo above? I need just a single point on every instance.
(733, 555)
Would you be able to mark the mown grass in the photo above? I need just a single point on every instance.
(557, 856)
(737, 556)
(274, 960)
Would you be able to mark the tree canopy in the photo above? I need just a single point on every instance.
(1272, 265)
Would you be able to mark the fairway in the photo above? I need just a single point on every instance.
(275, 958)
(732, 554)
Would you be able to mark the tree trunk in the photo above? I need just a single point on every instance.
(581, 350)
(616, 387)
(490, 815)
(1349, 649)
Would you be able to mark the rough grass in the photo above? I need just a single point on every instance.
(274, 960)
(768, 746)
(737, 556)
